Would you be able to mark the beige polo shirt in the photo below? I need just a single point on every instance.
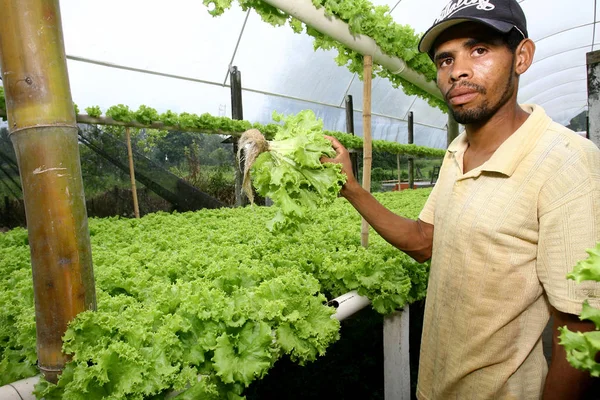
(506, 234)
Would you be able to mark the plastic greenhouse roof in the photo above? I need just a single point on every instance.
(281, 71)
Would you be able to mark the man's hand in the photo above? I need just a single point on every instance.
(563, 381)
(343, 157)
(415, 238)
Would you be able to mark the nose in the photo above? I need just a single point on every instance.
(461, 69)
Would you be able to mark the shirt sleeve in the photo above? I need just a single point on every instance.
(569, 224)
(428, 212)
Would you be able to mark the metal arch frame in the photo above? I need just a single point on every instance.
(571, 106)
(566, 30)
(554, 73)
(552, 88)
(563, 52)
(584, 99)
(578, 108)
(593, 43)
(544, 105)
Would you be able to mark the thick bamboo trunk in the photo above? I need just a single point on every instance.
(44, 134)
(367, 143)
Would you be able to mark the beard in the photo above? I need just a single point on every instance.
(486, 111)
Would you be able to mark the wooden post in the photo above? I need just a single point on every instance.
(367, 143)
(136, 208)
(350, 129)
(396, 355)
(43, 131)
(411, 160)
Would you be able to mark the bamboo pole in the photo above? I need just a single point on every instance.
(411, 160)
(367, 143)
(399, 170)
(44, 134)
(136, 208)
(452, 129)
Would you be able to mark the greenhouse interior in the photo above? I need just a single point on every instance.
(154, 272)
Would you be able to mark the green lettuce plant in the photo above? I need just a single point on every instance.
(582, 348)
(288, 169)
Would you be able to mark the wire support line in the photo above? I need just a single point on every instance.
(237, 45)
(594, 32)
(141, 70)
(347, 90)
(410, 108)
(393, 8)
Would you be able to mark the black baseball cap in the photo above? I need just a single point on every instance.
(501, 15)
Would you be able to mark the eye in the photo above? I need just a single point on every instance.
(444, 62)
(479, 51)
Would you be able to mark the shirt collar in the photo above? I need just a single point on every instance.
(507, 157)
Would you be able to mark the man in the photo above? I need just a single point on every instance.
(516, 204)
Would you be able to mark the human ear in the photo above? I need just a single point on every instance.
(524, 56)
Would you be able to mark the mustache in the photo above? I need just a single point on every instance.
(468, 85)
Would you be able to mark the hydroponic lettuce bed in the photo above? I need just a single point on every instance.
(210, 294)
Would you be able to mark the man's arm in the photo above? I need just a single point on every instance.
(563, 381)
(415, 238)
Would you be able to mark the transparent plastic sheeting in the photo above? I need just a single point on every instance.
(113, 86)
(181, 38)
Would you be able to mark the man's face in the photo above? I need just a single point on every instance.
(475, 72)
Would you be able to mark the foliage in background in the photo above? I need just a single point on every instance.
(364, 18)
(582, 348)
(182, 295)
(579, 123)
(93, 111)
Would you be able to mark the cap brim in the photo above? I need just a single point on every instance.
(432, 34)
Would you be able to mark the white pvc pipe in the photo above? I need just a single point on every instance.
(305, 11)
(348, 304)
(19, 390)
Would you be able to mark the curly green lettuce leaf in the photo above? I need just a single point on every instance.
(582, 348)
(591, 314)
(588, 269)
(245, 355)
(291, 173)
(93, 111)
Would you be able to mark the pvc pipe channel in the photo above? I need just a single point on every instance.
(19, 390)
(23, 390)
(305, 11)
(348, 304)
